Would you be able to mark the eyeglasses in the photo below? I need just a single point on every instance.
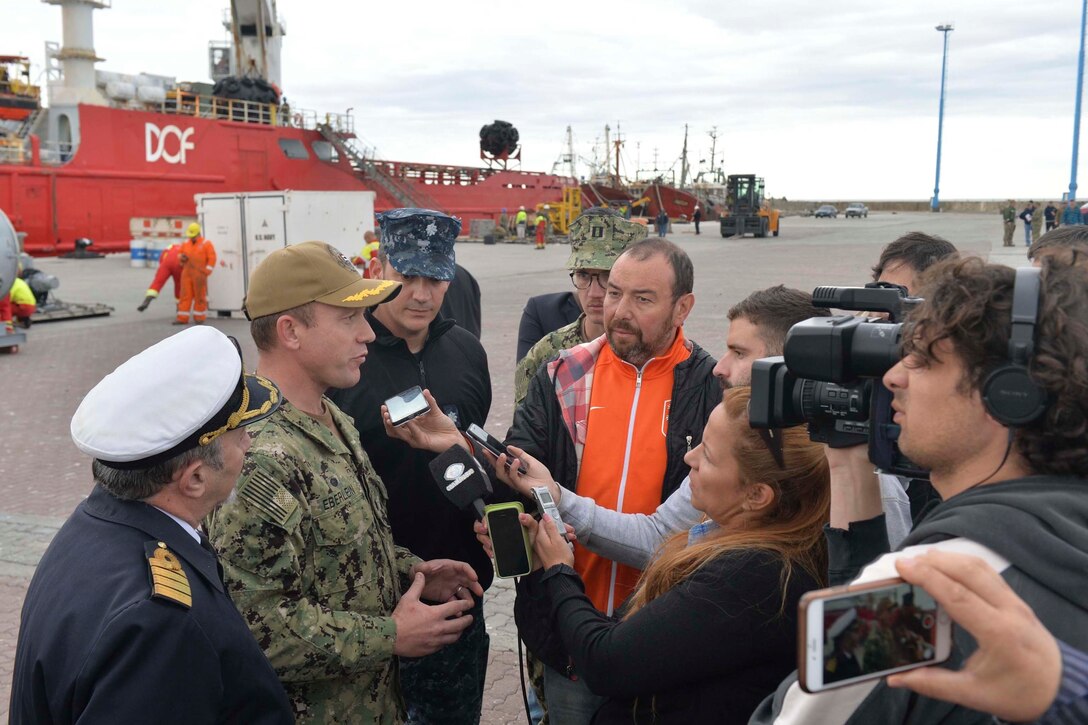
(584, 280)
(772, 438)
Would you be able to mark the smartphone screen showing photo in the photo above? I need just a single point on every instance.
(877, 631)
(508, 541)
(407, 405)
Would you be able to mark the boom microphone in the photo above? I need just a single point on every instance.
(461, 479)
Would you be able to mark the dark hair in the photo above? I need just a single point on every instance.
(774, 311)
(969, 303)
(263, 329)
(917, 250)
(683, 272)
(1073, 237)
(139, 484)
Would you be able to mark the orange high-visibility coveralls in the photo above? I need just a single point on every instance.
(169, 268)
(198, 260)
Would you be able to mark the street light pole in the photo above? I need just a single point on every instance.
(935, 204)
(1076, 111)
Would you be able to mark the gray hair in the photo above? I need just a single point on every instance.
(139, 484)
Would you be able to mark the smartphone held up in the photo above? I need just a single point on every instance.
(406, 405)
(509, 540)
(867, 631)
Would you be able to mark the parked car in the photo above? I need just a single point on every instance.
(857, 209)
(827, 211)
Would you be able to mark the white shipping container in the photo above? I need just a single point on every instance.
(246, 227)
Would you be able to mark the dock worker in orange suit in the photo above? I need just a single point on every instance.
(541, 227)
(197, 262)
(169, 268)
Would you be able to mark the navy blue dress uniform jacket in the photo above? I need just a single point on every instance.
(544, 314)
(96, 647)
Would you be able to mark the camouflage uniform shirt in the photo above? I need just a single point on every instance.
(542, 351)
(309, 559)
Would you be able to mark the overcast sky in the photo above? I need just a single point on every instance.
(828, 100)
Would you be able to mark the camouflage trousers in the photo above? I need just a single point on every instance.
(1010, 227)
(447, 688)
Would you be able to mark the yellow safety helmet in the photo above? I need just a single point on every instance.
(193, 230)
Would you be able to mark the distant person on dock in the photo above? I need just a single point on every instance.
(1026, 216)
(1036, 222)
(697, 217)
(368, 257)
(1050, 213)
(169, 268)
(1008, 216)
(1071, 214)
(521, 221)
(198, 260)
(662, 223)
(541, 228)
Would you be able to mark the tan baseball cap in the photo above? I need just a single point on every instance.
(311, 272)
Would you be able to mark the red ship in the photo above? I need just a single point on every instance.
(111, 147)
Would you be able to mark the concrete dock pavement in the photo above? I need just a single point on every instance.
(43, 476)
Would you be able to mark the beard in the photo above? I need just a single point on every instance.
(638, 350)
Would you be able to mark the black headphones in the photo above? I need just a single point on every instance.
(1011, 397)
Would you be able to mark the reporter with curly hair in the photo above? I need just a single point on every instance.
(712, 626)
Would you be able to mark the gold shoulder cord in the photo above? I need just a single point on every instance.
(168, 580)
(242, 415)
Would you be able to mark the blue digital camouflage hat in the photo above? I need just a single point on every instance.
(419, 242)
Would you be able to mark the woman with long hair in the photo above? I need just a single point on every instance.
(711, 627)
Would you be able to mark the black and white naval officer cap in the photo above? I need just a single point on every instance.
(176, 395)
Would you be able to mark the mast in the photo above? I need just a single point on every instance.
(570, 153)
(713, 133)
(607, 151)
(618, 143)
(684, 160)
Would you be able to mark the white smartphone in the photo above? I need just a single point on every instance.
(406, 405)
(865, 631)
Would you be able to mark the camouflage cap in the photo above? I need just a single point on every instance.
(598, 236)
(419, 242)
(311, 272)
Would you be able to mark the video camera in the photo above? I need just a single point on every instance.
(830, 375)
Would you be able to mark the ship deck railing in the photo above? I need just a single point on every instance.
(183, 103)
(15, 150)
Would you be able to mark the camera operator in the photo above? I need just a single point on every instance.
(996, 410)
(868, 520)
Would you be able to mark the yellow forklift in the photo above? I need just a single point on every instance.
(561, 214)
(745, 211)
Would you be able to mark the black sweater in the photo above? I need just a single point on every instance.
(706, 651)
(453, 365)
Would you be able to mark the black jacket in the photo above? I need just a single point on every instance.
(453, 366)
(1040, 525)
(538, 422)
(706, 651)
(544, 314)
(96, 647)
(462, 302)
(538, 429)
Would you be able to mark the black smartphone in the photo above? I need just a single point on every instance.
(509, 540)
(404, 406)
(490, 442)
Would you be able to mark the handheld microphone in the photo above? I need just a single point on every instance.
(461, 479)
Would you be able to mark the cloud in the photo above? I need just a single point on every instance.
(836, 99)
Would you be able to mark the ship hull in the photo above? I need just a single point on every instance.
(131, 163)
